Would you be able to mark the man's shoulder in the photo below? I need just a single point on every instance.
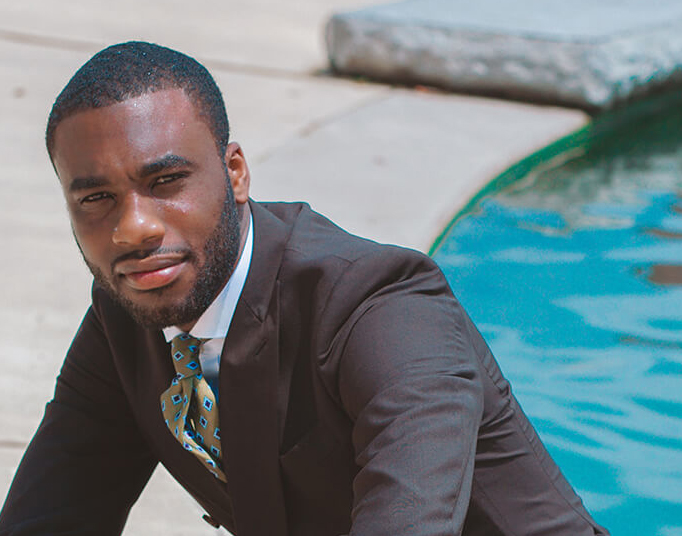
(314, 237)
(320, 253)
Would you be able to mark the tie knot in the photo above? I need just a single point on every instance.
(185, 352)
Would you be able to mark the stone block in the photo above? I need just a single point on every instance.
(591, 55)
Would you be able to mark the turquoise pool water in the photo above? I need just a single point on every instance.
(574, 276)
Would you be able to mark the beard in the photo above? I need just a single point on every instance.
(220, 253)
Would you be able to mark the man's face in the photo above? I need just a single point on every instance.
(151, 205)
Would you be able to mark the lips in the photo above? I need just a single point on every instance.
(152, 272)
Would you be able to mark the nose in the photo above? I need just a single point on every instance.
(139, 224)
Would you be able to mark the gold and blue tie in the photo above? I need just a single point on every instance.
(189, 406)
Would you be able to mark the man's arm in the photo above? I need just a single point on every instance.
(432, 414)
(86, 464)
(408, 377)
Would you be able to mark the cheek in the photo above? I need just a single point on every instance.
(90, 233)
(93, 241)
(90, 247)
(192, 220)
(201, 209)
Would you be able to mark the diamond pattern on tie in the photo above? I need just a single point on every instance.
(190, 403)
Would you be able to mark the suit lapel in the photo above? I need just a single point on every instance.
(249, 372)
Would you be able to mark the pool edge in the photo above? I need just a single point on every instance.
(598, 128)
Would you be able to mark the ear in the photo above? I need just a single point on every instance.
(239, 172)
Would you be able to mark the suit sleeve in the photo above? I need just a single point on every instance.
(408, 377)
(86, 464)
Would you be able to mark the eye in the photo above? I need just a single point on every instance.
(168, 179)
(94, 198)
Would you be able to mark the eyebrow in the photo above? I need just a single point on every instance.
(85, 183)
(168, 161)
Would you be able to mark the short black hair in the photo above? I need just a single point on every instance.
(131, 69)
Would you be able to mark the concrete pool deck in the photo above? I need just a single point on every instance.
(391, 164)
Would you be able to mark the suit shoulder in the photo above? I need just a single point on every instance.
(328, 266)
(315, 239)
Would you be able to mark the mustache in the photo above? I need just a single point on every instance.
(140, 254)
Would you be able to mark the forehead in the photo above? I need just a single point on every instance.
(137, 128)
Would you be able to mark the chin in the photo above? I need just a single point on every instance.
(161, 315)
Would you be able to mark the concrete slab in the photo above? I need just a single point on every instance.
(278, 37)
(47, 289)
(10, 456)
(161, 501)
(399, 168)
(165, 508)
(266, 112)
(593, 55)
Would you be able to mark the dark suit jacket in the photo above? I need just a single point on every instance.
(355, 397)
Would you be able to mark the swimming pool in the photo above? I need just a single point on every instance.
(573, 273)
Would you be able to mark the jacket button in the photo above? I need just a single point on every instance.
(211, 521)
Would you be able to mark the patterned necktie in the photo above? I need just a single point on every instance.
(189, 406)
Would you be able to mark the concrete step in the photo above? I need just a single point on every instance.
(592, 55)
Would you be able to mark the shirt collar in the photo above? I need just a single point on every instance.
(216, 319)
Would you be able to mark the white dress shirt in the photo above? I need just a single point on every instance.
(215, 322)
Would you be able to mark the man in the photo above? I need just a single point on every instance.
(353, 393)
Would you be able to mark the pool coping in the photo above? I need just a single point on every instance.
(560, 151)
